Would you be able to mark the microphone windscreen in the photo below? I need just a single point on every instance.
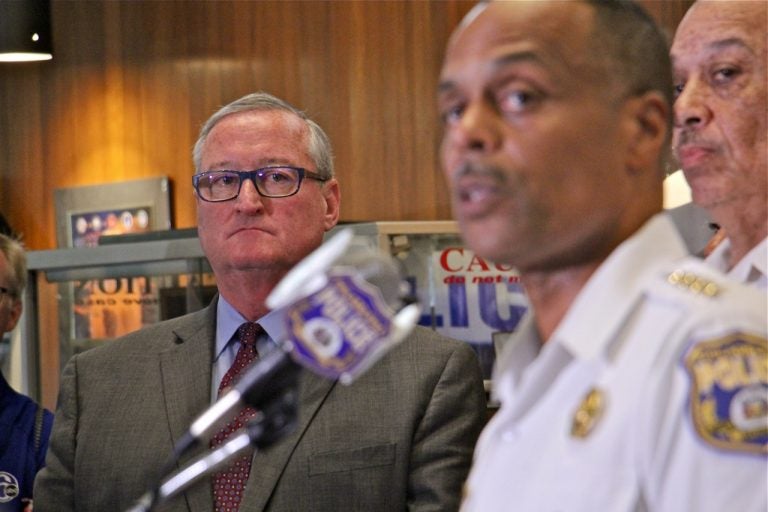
(341, 306)
(377, 269)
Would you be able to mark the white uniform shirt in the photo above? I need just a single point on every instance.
(656, 435)
(752, 269)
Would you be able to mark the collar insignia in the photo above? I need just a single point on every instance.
(588, 414)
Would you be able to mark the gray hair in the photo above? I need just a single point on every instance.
(319, 144)
(13, 251)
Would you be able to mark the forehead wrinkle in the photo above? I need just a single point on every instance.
(497, 64)
(539, 24)
(729, 42)
(714, 47)
(262, 162)
(515, 57)
(722, 44)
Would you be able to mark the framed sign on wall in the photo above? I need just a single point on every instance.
(105, 308)
(83, 214)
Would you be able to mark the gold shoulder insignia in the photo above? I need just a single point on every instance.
(693, 283)
(729, 392)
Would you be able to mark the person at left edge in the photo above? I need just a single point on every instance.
(24, 425)
(399, 437)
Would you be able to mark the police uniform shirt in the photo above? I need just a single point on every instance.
(752, 269)
(650, 395)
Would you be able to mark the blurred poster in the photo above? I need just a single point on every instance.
(92, 310)
(86, 228)
(107, 308)
(463, 296)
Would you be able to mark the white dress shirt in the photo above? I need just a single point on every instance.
(228, 319)
(752, 269)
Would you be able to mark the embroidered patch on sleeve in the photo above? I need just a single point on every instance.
(729, 392)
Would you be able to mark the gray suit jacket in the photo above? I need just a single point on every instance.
(400, 437)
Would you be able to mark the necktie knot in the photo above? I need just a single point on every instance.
(246, 336)
(248, 332)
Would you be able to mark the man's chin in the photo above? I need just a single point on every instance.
(484, 240)
(251, 261)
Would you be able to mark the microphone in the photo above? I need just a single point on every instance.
(341, 308)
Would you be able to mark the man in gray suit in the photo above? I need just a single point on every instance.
(400, 437)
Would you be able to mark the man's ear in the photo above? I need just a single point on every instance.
(648, 116)
(332, 196)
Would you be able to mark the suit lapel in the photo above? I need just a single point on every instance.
(269, 464)
(186, 374)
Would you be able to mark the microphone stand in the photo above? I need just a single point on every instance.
(275, 420)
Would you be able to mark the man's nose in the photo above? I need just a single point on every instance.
(691, 106)
(249, 195)
(478, 129)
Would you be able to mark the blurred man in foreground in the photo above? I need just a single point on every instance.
(720, 63)
(637, 379)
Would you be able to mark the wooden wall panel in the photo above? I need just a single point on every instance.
(132, 81)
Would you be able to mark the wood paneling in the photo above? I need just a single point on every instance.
(131, 82)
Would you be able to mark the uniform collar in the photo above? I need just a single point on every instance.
(609, 296)
(751, 268)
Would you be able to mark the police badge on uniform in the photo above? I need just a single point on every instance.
(729, 392)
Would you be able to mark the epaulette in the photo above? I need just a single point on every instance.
(693, 282)
(693, 277)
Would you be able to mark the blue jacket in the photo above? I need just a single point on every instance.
(19, 461)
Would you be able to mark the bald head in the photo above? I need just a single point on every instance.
(719, 61)
(541, 119)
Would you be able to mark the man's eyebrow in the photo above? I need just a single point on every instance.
(722, 44)
(500, 62)
(730, 42)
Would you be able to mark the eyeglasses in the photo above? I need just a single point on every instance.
(277, 181)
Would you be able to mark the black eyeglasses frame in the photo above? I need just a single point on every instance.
(252, 175)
